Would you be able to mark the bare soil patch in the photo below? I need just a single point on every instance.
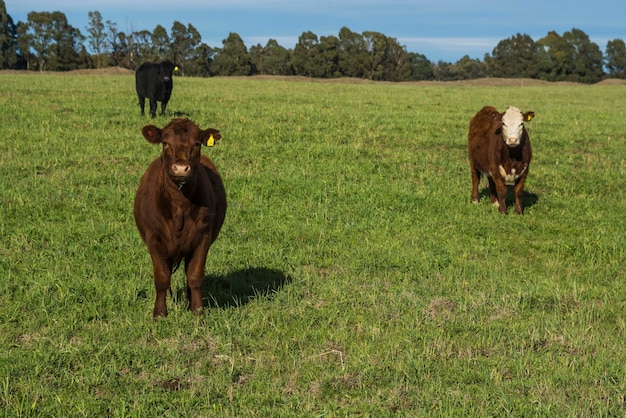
(103, 71)
(485, 82)
(612, 82)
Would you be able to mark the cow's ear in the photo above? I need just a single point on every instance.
(528, 116)
(152, 134)
(209, 136)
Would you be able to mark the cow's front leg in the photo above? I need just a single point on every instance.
(162, 275)
(493, 193)
(519, 191)
(194, 270)
(500, 188)
(153, 107)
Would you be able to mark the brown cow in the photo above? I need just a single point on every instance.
(499, 147)
(180, 207)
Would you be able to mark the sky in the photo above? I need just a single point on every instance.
(442, 30)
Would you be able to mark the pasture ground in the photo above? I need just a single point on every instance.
(353, 276)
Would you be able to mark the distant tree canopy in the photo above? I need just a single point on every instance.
(616, 58)
(47, 42)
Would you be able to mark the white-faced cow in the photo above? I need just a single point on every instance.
(153, 81)
(180, 207)
(499, 147)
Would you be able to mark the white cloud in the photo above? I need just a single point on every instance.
(452, 43)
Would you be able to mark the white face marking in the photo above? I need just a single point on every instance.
(512, 126)
(509, 179)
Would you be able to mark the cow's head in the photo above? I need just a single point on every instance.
(166, 69)
(513, 126)
(182, 141)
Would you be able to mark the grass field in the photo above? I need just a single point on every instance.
(353, 277)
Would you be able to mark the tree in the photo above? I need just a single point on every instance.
(142, 46)
(470, 69)
(39, 33)
(587, 57)
(328, 57)
(376, 51)
(203, 60)
(24, 41)
(387, 60)
(115, 40)
(233, 58)
(353, 55)
(185, 41)
(573, 57)
(615, 58)
(306, 60)
(97, 38)
(272, 59)
(256, 59)
(56, 45)
(561, 56)
(445, 71)
(421, 67)
(69, 49)
(396, 64)
(8, 39)
(517, 56)
(161, 44)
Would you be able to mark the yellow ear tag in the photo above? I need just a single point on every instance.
(176, 68)
(211, 141)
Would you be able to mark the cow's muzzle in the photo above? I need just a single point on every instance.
(180, 170)
(180, 173)
(512, 142)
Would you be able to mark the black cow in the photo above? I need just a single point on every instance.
(154, 82)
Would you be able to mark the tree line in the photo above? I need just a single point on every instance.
(47, 42)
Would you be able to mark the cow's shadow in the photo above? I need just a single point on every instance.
(528, 199)
(241, 286)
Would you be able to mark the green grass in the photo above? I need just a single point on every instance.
(352, 277)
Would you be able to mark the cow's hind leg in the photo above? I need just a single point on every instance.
(493, 194)
(142, 104)
(475, 182)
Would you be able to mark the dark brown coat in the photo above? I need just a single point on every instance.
(500, 152)
(180, 207)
